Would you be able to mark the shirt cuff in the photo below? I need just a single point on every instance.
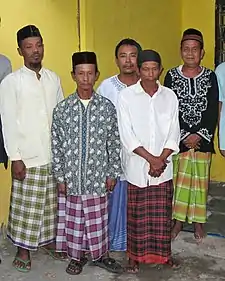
(133, 145)
(15, 157)
(170, 144)
(204, 133)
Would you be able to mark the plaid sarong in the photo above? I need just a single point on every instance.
(149, 223)
(191, 178)
(32, 216)
(82, 225)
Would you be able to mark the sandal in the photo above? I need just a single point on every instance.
(55, 255)
(109, 264)
(22, 265)
(76, 267)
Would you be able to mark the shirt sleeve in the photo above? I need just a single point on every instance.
(8, 111)
(113, 146)
(173, 139)
(57, 137)
(128, 138)
(210, 117)
(220, 79)
(60, 95)
(168, 83)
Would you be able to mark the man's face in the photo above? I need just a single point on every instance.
(85, 76)
(150, 71)
(32, 49)
(191, 53)
(127, 59)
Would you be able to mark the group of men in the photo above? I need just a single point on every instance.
(130, 161)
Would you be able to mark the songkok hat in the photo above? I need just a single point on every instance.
(26, 32)
(84, 58)
(192, 34)
(148, 55)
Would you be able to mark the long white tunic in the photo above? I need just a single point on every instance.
(26, 106)
(151, 122)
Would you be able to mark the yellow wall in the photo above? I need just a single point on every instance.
(57, 23)
(200, 14)
(154, 24)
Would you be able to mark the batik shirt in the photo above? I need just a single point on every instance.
(198, 105)
(85, 144)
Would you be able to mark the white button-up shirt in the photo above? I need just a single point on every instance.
(26, 106)
(150, 122)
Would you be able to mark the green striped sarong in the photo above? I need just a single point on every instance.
(191, 178)
(32, 216)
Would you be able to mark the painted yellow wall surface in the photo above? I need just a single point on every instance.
(202, 17)
(154, 24)
(56, 20)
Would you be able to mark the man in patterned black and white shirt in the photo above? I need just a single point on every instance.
(197, 91)
(86, 164)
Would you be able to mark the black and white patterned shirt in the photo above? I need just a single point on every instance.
(198, 105)
(85, 144)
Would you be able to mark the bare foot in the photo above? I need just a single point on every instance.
(133, 267)
(199, 232)
(176, 229)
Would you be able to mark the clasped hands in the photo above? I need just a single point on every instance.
(192, 141)
(157, 166)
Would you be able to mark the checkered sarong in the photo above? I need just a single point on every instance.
(82, 225)
(32, 217)
(191, 180)
(149, 216)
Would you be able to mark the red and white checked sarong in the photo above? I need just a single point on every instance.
(82, 225)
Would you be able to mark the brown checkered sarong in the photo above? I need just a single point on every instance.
(149, 223)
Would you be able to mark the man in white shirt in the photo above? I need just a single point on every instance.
(126, 53)
(220, 73)
(27, 99)
(149, 132)
(5, 69)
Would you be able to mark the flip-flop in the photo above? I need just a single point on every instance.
(24, 263)
(109, 264)
(55, 255)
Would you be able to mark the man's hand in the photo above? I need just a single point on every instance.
(192, 141)
(110, 184)
(18, 170)
(157, 166)
(61, 188)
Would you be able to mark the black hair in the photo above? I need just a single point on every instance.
(127, 41)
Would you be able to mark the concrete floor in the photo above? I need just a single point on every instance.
(198, 262)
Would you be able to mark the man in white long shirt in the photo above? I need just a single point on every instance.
(149, 132)
(5, 69)
(27, 99)
(126, 53)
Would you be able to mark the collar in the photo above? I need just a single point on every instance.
(31, 72)
(139, 89)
